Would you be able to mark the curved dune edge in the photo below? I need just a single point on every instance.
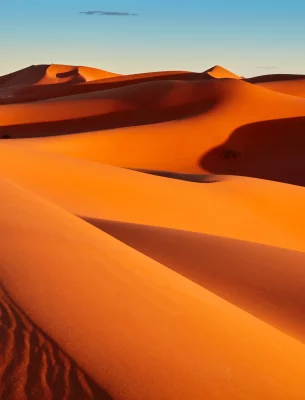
(52, 74)
(219, 117)
(41, 369)
(293, 88)
(60, 81)
(236, 207)
(139, 329)
(268, 282)
(133, 263)
(219, 72)
(283, 83)
(123, 106)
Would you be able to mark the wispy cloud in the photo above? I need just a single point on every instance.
(109, 13)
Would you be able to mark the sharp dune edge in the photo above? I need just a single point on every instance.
(152, 242)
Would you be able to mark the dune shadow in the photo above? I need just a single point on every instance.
(30, 75)
(233, 269)
(274, 78)
(74, 75)
(120, 119)
(62, 89)
(272, 150)
(196, 178)
(36, 362)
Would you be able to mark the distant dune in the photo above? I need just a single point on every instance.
(219, 72)
(152, 235)
(289, 84)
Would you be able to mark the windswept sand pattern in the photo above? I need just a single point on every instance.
(33, 367)
(152, 235)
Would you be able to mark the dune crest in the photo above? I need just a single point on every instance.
(170, 325)
(220, 73)
(152, 235)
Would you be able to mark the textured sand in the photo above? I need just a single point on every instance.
(152, 235)
(32, 366)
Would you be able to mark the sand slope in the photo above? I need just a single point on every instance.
(266, 281)
(289, 84)
(34, 92)
(121, 106)
(51, 74)
(33, 367)
(251, 210)
(219, 72)
(152, 235)
(220, 116)
(150, 333)
(54, 77)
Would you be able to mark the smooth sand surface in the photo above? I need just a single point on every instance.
(219, 72)
(152, 235)
(289, 84)
(139, 329)
(208, 119)
(251, 276)
(237, 207)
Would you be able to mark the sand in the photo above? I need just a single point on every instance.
(152, 242)
(220, 116)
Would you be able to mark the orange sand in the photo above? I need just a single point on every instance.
(152, 235)
(218, 115)
(219, 72)
(289, 84)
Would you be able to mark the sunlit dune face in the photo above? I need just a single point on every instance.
(152, 235)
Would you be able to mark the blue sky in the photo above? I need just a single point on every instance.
(250, 37)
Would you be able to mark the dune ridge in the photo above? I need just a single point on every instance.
(178, 314)
(103, 191)
(222, 117)
(152, 242)
(247, 274)
(32, 366)
(219, 72)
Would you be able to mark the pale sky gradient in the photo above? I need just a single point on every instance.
(194, 35)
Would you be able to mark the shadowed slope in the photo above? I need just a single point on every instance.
(271, 150)
(266, 281)
(52, 74)
(140, 330)
(47, 91)
(25, 77)
(289, 84)
(38, 78)
(178, 145)
(141, 104)
(33, 367)
(274, 78)
(219, 72)
(236, 207)
(199, 178)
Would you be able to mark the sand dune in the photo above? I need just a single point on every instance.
(293, 88)
(251, 210)
(289, 84)
(41, 369)
(219, 72)
(152, 242)
(266, 281)
(30, 93)
(52, 74)
(166, 100)
(238, 128)
(149, 333)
